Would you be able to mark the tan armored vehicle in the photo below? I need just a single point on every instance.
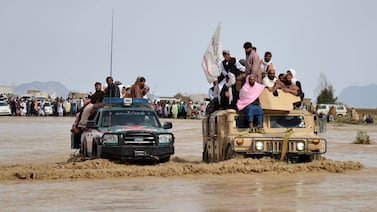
(289, 134)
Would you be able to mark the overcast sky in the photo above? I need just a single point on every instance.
(164, 41)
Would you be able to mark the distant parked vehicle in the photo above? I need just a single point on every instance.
(5, 109)
(3, 98)
(341, 109)
(47, 108)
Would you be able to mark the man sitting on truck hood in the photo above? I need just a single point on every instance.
(248, 101)
(270, 80)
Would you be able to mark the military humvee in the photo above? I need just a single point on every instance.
(289, 134)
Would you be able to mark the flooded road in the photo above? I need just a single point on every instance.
(43, 142)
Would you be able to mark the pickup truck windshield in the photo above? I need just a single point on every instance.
(130, 118)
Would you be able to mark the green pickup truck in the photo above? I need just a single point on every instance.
(125, 129)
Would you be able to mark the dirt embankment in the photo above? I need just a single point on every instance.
(75, 168)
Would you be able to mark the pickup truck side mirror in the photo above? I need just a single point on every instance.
(91, 124)
(167, 125)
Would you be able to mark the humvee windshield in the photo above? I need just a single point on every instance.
(287, 122)
(129, 118)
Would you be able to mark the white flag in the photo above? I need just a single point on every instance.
(212, 57)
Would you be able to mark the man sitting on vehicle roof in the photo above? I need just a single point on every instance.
(248, 102)
(95, 101)
(297, 82)
(289, 86)
(270, 80)
(228, 98)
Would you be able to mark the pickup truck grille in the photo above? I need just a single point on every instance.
(138, 138)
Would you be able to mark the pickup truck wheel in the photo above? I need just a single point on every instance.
(164, 159)
(94, 149)
(84, 149)
(205, 156)
(229, 152)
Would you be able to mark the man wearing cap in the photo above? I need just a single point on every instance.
(231, 65)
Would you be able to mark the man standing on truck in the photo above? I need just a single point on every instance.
(266, 64)
(248, 103)
(230, 64)
(252, 62)
(111, 90)
(139, 89)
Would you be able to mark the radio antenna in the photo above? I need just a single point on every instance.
(111, 66)
(111, 45)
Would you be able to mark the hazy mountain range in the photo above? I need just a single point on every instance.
(352, 96)
(359, 96)
(53, 88)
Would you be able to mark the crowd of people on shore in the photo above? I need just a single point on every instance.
(69, 107)
(179, 110)
(43, 107)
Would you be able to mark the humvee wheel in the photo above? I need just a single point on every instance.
(302, 159)
(307, 158)
(229, 152)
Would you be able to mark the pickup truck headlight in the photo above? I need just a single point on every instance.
(165, 138)
(110, 138)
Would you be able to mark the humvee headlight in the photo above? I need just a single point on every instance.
(239, 141)
(300, 146)
(259, 145)
(165, 138)
(110, 138)
(315, 141)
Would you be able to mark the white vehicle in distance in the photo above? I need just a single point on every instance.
(341, 109)
(5, 109)
(47, 108)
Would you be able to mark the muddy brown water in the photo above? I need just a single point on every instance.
(35, 175)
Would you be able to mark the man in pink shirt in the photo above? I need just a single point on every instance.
(248, 102)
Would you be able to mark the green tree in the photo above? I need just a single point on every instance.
(326, 91)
